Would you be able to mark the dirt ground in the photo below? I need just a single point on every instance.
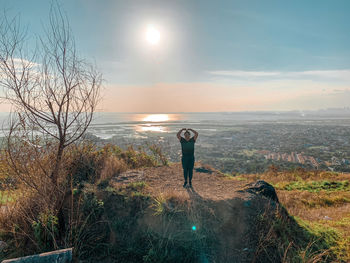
(207, 182)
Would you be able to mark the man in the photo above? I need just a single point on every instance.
(187, 147)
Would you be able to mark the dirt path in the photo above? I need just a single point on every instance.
(217, 208)
(207, 182)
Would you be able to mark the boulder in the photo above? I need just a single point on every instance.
(263, 188)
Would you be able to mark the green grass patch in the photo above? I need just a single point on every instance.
(314, 186)
(333, 237)
(6, 197)
(326, 201)
(236, 176)
(137, 185)
(329, 234)
(131, 190)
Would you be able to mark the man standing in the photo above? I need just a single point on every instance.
(187, 147)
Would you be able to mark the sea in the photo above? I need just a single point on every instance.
(106, 125)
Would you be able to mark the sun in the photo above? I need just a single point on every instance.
(152, 35)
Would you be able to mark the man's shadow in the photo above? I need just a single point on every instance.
(193, 194)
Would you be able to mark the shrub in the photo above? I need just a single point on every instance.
(46, 230)
(112, 166)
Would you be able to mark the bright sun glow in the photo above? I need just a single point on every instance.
(152, 35)
(156, 118)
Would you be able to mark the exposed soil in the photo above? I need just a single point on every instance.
(207, 182)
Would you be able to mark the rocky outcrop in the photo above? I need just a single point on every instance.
(262, 188)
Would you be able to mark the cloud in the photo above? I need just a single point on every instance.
(342, 75)
(241, 73)
(19, 62)
(18, 65)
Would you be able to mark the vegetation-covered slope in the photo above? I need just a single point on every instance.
(130, 206)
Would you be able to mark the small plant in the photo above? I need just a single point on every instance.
(46, 230)
(169, 204)
(159, 155)
(159, 204)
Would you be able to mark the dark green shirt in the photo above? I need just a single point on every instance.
(187, 147)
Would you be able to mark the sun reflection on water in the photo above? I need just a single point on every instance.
(151, 128)
(153, 122)
(156, 117)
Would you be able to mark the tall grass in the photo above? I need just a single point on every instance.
(319, 201)
(40, 218)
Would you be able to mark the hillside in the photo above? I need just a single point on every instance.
(154, 219)
(124, 206)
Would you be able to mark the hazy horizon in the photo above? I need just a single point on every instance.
(238, 111)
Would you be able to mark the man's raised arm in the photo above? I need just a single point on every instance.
(195, 134)
(179, 133)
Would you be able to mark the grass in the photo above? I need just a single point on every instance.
(291, 239)
(137, 185)
(106, 216)
(7, 197)
(319, 201)
(131, 190)
(314, 186)
(159, 205)
(169, 203)
(235, 176)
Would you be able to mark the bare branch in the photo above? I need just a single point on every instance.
(55, 92)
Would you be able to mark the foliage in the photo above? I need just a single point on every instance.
(36, 225)
(46, 230)
(89, 232)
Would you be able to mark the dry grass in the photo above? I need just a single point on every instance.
(34, 220)
(303, 194)
(170, 202)
(112, 167)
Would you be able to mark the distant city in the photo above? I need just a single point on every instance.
(246, 142)
(301, 158)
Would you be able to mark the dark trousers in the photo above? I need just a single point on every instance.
(187, 165)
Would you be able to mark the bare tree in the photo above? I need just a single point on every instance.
(52, 91)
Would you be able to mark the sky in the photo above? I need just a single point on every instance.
(246, 55)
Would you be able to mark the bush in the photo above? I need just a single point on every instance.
(46, 230)
(89, 231)
(72, 214)
(92, 165)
